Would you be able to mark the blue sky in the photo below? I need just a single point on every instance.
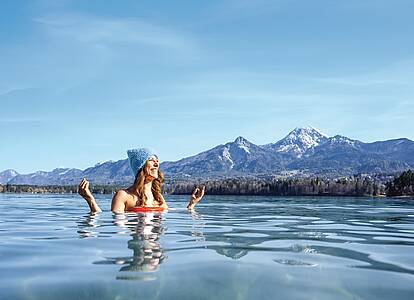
(83, 81)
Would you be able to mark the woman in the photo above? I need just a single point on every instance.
(146, 190)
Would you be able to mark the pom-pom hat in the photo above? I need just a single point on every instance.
(138, 157)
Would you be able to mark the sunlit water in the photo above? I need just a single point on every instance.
(230, 248)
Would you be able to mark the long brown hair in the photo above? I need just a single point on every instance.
(155, 188)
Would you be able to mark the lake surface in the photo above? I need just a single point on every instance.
(230, 248)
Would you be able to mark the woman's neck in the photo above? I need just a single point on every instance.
(147, 187)
(147, 199)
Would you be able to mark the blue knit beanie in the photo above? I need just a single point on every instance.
(138, 157)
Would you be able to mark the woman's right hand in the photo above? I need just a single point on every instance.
(196, 197)
(84, 191)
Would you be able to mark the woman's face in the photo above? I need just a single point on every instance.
(151, 167)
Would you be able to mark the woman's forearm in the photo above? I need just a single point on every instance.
(93, 205)
(86, 194)
(191, 204)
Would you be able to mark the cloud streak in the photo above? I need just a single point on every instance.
(95, 30)
(23, 120)
(398, 73)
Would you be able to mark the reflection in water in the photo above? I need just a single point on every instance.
(300, 234)
(145, 230)
(237, 248)
(147, 251)
(88, 226)
(296, 234)
(197, 227)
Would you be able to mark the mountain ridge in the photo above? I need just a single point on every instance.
(303, 151)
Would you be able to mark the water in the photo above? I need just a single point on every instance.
(231, 248)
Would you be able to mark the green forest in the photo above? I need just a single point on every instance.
(358, 186)
(402, 185)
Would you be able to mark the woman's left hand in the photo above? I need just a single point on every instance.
(196, 197)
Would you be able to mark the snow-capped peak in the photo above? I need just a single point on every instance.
(307, 131)
(7, 175)
(242, 143)
(339, 139)
(299, 140)
(240, 140)
(9, 172)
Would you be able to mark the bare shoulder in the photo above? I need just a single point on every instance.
(121, 194)
(119, 200)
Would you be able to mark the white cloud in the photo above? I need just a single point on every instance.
(95, 30)
(398, 73)
(72, 50)
(22, 120)
(240, 9)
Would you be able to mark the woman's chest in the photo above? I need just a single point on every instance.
(135, 202)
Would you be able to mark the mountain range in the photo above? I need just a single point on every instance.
(303, 152)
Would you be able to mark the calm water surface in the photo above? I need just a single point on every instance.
(231, 248)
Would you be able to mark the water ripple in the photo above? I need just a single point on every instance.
(279, 238)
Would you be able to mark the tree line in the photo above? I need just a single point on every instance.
(348, 186)
(402, 185)
(399, 185)
(55, 189)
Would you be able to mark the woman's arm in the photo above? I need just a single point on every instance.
(118, 201)
(195, 197)
(86, 194)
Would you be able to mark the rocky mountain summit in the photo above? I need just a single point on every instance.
(234, 158)
(7, 175)
(298, 141)
(303, 152)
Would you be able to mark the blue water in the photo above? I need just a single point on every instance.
(231, 248)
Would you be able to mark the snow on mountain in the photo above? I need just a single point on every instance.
(9, 172)
(340, 155)
(340, 139)
(298, 141)
(233, 152)
(238, 157)
(7, 175)
(63, 172)
(227, 156)
(57, 176)
(304, 149)
(242, 143)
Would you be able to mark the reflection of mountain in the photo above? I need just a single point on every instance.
(232, 252)
(234, 244)
(249, 228)
(231, 244)
(290, 233)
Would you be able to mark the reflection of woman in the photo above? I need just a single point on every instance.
(148, 253)
(146, 190)
(145, 230)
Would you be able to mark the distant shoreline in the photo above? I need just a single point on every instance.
(241, 195)
(355, 186)
(109, 190)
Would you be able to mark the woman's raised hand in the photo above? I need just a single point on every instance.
(196, 196)
(86, 194)
(84, 191)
